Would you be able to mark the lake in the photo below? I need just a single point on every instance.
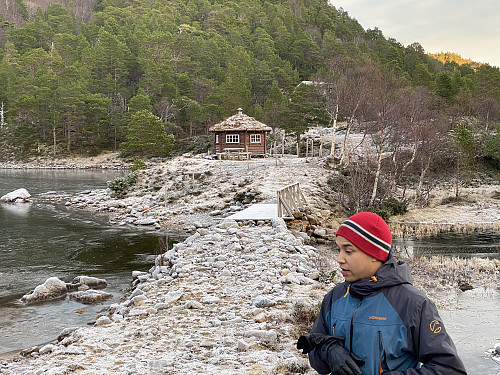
(42, 240)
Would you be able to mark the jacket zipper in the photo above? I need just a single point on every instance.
(351, 331)
(382, 357)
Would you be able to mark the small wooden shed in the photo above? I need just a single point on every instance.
(240, 134)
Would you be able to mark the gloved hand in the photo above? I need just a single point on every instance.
(332, 351)
(340, 360)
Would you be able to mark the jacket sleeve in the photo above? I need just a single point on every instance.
(434, 347)
(320, 326)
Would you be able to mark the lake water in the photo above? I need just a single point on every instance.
(481, 245)
(474, 322)
(40, 240)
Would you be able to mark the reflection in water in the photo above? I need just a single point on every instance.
(21, 209)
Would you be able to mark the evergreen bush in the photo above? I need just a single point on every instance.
(121, 185)
(138, 164)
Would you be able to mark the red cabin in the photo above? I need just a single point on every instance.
(240, 135)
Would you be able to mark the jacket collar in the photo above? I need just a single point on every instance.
(391, 273)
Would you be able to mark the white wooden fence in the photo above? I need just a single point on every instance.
(290, 200)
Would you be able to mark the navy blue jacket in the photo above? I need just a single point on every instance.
(390, 324)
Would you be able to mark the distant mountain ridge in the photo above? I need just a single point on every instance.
(20, 11)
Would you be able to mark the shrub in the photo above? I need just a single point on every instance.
(491, 152)
(327, 276)
(121, 185)
(390, 207)
(304, 314)
(138, 164)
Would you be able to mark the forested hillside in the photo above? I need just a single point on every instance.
(17, 12)
(171, 69)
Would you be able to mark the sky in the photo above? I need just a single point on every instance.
(469, 28)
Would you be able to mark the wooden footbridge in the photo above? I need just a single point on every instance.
(290, 200)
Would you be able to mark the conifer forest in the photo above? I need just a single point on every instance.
(149, 77)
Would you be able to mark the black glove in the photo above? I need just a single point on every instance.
(340, 360)
(332, 350)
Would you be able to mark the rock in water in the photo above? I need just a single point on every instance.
(16, 196)
(90, 296)
(52, 288)
(91, 282)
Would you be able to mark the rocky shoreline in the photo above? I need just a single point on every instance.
(108, 160)
(179, 192)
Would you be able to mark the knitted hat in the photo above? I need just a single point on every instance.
(368, 232)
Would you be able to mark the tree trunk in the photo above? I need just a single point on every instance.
(54, 138)
(332, 151)
(297, 135)
(346, 137)
(2, 116)
(68, 146)
(423, 172)
(379, 165)
(377, 177)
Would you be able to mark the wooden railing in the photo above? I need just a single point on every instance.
(290, 200)
(233, 153)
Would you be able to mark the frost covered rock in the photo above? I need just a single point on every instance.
(216, 302)
(146, 221)
(90, 296)
(261, 301)
(52, 288)
(16, 196)
(91, 282)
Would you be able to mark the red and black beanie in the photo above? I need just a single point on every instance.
(368, 232)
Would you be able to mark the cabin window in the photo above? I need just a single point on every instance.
(217, 138)
(232, 138)
(254, 138)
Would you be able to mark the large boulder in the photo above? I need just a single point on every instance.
(52, 288)
(16, 196)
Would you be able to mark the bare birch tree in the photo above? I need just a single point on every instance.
(384, 96)
(407, 138)
(344, 86)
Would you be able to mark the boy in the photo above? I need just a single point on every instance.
(376, 322)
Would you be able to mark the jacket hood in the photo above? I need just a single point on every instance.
(391, 273)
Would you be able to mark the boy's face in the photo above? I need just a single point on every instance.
(354, 263)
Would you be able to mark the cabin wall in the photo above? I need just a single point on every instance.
(256, 148)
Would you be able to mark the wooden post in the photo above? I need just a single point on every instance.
(280, 212)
